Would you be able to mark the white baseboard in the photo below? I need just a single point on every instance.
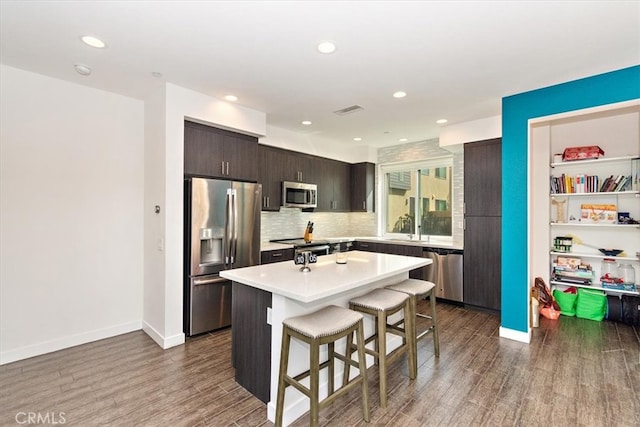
(61, 343)
(163, 342)
(512, 334)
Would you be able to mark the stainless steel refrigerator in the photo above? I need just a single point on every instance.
(222, 231)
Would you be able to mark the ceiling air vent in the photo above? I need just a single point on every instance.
(349, 110)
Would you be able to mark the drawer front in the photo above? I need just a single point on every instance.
(268, 257)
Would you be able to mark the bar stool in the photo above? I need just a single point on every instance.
(382, 303)
(324, 326)
(420, 289)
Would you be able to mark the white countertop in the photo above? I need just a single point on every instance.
(326, 278)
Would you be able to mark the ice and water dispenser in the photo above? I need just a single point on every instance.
(211, 245)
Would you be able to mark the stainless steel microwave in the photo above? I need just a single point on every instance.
(299, 195)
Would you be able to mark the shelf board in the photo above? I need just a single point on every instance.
(578, 224)
(597, 193)
(592, 161)
(598, 287)
(597, 256)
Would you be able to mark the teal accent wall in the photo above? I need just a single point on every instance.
(608, 88)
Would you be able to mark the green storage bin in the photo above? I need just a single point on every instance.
(566, 301)
(591, 304)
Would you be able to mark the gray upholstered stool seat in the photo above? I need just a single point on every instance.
(420, 289)
(382, 303)
(324, 326)
(328, 321)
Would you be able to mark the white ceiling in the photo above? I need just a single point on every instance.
(455, 59)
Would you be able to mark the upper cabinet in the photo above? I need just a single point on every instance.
(333, 178)
(272, 163)
(219, 153)
(483, 178)
(363, 177)
(334, 186)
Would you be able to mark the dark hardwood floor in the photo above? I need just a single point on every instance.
(575, 372)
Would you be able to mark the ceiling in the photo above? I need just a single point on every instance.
(454, 59)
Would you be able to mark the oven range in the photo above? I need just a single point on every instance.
(318, 247)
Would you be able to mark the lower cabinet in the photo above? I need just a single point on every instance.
(482, 264)
(268, 257)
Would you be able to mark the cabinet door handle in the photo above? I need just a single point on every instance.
(268, 202)
(364, 205)
(278, 255)
(222, 172)
(227, 168)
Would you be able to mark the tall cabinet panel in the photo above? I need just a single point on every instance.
(483, 216)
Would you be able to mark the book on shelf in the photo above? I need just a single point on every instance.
(582, 183)
(635, 175)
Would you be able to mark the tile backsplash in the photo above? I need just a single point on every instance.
(291, 222)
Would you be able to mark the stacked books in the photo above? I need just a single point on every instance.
(582, 183)
(572, 271)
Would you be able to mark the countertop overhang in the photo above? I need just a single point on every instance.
(326, 278)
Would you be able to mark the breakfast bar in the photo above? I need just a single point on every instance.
(265, 295)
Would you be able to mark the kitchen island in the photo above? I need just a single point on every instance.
(265, 295)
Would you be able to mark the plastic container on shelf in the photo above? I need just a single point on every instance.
(627, 273)
(609, 268)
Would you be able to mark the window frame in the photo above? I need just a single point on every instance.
(412, 166)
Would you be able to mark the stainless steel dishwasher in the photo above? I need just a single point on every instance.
(445, 272)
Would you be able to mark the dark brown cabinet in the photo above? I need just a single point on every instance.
(272, 162)
(219, 153)
(268, 257)
(334, 186)
(251, 339)
(483, 219)
(363, 187)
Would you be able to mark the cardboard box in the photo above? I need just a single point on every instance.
(582, 153)
(598, 214)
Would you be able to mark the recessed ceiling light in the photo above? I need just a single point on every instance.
(306, 122)
(231, 98)
(357, 139)
(403, 140)
(441, 121)
(326, 47)
(399, 94)
(93, 42)
(83, 69)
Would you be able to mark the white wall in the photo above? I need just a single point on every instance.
(318, 146)
(165, 112)
(475, 130)
(71, 224)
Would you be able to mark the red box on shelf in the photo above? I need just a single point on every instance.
(582, 153)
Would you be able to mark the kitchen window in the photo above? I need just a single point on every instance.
(417, 199)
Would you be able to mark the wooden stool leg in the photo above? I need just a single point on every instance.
(362, 363)
(331, 354)
(381, 347)
(410, 335)
(434, 319)
(314, 380)
(348, 351)
(282, 385)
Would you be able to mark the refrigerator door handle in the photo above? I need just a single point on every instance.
(199, 282)
(227, 231)
(234, 226)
